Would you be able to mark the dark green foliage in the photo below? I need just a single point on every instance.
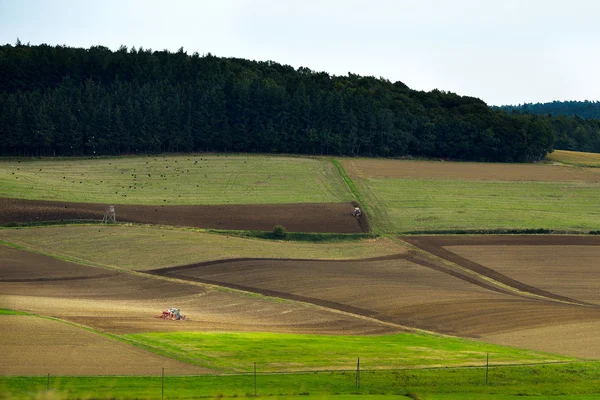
(72, 101)
(576, 124)
(582, 109)
(279, 232)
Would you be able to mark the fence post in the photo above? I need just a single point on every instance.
(487, 367)
(255, 379)
(163, 384)
(358, 373)
(48, 383)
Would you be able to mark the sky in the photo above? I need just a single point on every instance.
(502, 51)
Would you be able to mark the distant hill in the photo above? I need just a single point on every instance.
(582, 109)
(58, 100)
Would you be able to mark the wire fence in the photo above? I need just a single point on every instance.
(515, 379)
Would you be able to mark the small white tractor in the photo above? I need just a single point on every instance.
(356, 213)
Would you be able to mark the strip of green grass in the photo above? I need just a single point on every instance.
(565, 382)
(180, 179)
(289, 352)
(411, 205)
(6, 311)
(142, 248)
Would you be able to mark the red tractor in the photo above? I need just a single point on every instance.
(172, 314)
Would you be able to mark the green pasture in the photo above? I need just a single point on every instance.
(555, 382)
(413, 205)
(142, 248)
(236, 352)
(178, 179)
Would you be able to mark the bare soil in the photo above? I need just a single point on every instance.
(37, 346)
(306, 217)
(22, 266)
(565, 270)
(347, 296)
(468, 171)
(130, 303)
(402, 290)
(438, 245)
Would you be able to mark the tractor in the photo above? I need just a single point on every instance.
(172, 314)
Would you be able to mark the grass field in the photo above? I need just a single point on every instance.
(133, 247)
(556, 382)
(187, 179)
(236, 352)
(579, 158)
(407, 205)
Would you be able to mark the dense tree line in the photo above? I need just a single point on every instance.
(582, 109)
(576, 124)
(72, 101)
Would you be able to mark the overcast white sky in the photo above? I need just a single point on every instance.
(502, 51)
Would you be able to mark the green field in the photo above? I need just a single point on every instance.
(556, 382)
(188, 179)
(236, 352)
(141, 248)
(413, 205)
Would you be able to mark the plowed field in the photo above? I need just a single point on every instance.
(402, 290)
(36, 346)
(22, 266)
(367, 168)
(307, 217)
(124, 303)
(514, 300)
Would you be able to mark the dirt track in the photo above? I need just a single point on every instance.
(306, 217)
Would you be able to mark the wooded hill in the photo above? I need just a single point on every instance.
(72, 101)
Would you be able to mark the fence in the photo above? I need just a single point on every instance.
(555, 378)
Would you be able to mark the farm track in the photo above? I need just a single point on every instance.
(305, 217)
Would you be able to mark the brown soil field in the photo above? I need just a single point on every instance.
(365, 168)
(348, 297)
(128, 303)
(21, 266)
(308, 217)
(401, 290)
(569, 271)
(38, 346)
(438, 245)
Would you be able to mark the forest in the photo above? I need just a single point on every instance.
(582, 109)
(60, 101)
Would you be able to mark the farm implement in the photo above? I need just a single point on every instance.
(173, 314)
